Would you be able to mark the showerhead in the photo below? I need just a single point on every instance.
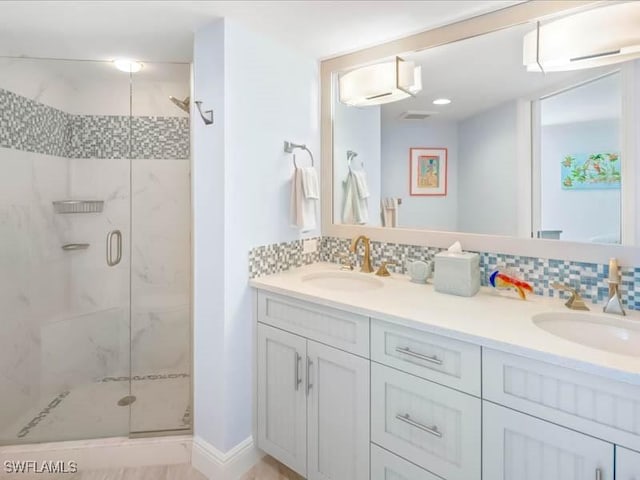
(181, 104)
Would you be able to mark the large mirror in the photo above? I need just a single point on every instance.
(493, 136)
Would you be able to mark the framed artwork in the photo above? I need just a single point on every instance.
(428, 172)
(593, 171)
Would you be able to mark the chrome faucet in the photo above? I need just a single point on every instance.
(575, 302)
(366, 260)
(614, 302)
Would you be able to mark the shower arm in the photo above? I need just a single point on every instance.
(207, 116)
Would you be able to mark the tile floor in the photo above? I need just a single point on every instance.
(266, 469)
(92, 411)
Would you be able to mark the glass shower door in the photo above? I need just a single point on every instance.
(65, 214)
(161, 250)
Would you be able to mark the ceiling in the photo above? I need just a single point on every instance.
(163, 30)
(482, 72)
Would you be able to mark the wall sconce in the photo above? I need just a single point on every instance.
(593, 38)
(380, 83)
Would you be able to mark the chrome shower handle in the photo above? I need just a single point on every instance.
(110, 260)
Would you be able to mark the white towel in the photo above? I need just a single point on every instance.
(389, 210)
(310, 183)
(355, 209)
(361, 183)
(302, 210)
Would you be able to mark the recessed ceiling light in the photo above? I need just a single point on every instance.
(126, 65)
(441, 101)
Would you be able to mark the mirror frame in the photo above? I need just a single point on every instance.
(511, 16)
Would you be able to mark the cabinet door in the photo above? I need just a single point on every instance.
(338, 409)
(282, 403)
(520, 447)
(627, 464)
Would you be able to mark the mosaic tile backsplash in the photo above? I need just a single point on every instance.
(279, 257)
(540, 272)
(31, 126)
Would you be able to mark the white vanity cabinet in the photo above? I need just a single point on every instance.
(341, 396)
(312, 401)
(627, 464)
(520, 447)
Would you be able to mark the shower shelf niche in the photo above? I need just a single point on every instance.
(78, 206)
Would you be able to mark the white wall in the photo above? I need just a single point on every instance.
(208, 210)
(487, 172)
(263, 93)
(357, 129)
(398, 136)
(580, 214)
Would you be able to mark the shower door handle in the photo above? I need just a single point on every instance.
(111, 261)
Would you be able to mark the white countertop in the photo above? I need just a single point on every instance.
(492, 319)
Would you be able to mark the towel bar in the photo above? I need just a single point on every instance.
(289, 147)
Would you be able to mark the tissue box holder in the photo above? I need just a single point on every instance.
(457, 273)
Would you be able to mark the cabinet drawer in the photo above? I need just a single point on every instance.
(519, 447)
(441, 359)
(343, 330)
(432, 426)
(587, 403)
(387, 466)
(627, 464)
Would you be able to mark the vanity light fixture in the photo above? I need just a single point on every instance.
(380, 83)
(127, 65)
(441, 101)
(593, 38)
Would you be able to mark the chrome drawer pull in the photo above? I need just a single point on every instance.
(432, 430)
(406, 351)
(309, 384)
(297, 380)
(598, 474)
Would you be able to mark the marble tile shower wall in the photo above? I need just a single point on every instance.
(540, 272)
(31, 126)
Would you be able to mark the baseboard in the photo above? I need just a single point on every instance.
(106, 453)
(217, 465)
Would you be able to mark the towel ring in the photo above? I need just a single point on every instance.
(290, 147)
(350, 156)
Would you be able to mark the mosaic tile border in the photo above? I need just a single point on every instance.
(279, 257)
(42, 414)
(540, 272)
(32, 126)
(135, 378)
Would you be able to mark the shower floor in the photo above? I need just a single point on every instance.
(92, 410)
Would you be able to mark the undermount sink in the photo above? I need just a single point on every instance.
(343, 281)
(598, 331)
